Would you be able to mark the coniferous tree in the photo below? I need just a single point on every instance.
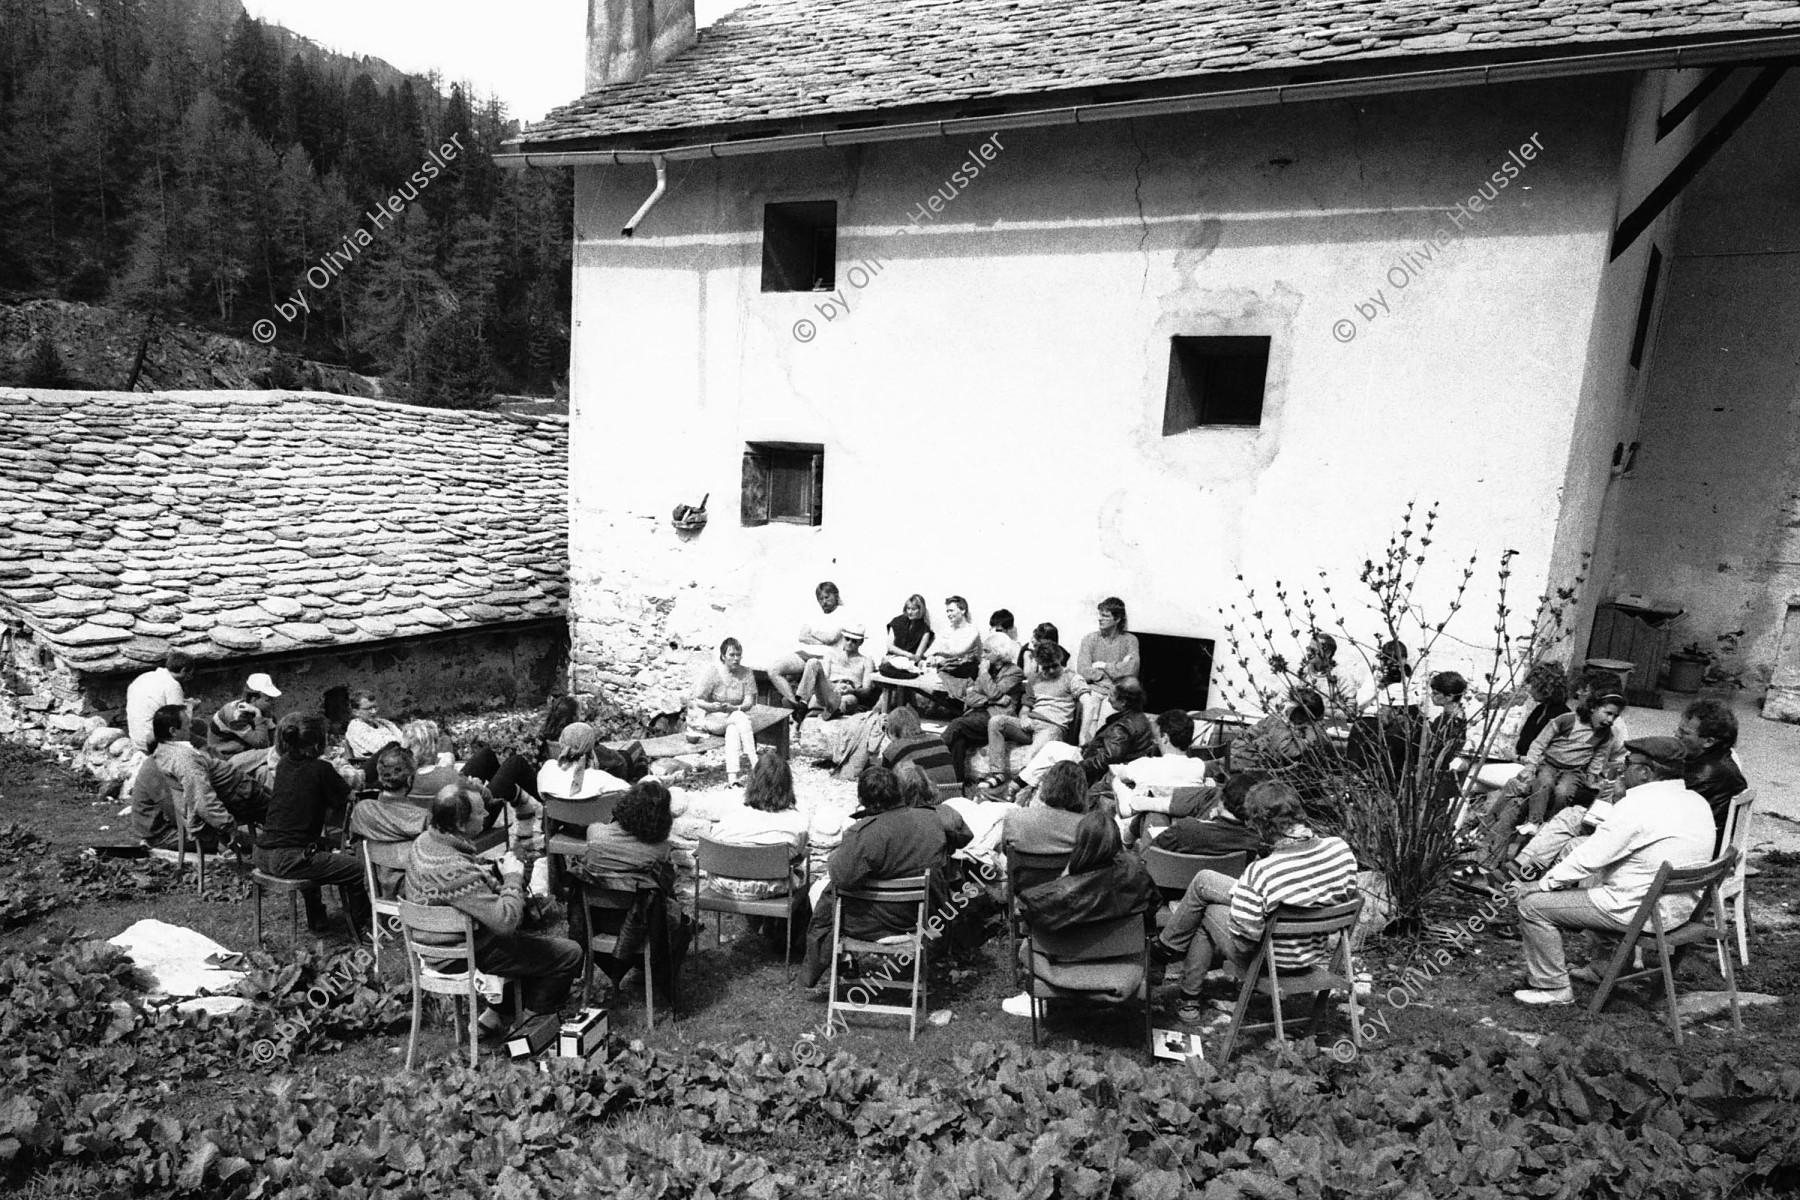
(253, 78)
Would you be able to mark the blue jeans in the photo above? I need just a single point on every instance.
(1200, 928)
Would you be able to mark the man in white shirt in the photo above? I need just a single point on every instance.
(818, 637)
(153, 690)
(1148, 785)
(1658, 821)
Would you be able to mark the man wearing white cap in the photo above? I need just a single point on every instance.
(841, 683)
(245, 724)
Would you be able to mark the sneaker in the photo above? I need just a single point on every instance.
(1020, 1006)
(1545, 996)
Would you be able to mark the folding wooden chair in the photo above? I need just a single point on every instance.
(426, 959)
(560, 846)
(605, 901)
(912, 890)
(1704, 882)
(1025, 869)
(780, 863)
(395, 856)
(1172, 872)
(1286, 923)
(1737, 836)
(1125, 939)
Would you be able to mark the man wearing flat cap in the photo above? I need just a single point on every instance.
(1659, 820)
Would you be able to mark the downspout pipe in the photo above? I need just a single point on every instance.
(662, 185)
(1736, 52)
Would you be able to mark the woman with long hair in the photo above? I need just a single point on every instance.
(1103, 882)
(768, 817)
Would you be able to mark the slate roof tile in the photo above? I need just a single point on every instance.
(110, 563)
(818, 62)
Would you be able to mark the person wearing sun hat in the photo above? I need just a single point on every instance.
(841, 683)
(1658, 820)
(245, 723)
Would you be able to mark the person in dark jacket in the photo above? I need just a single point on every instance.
(307, 790)
(1709, 732)
(1103, 882)
(1126, 736)
(1224, 832)
(995, 692)
(1549, 687)
(886, 840)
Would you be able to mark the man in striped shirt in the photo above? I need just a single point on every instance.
(1224, 916)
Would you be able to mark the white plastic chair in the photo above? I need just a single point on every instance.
(1737, 837)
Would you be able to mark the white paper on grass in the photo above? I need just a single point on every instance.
(174, 957)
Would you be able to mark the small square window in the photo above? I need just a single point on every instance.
(783, 482)
(800, 246)
(1215, 381)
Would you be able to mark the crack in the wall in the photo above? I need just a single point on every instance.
(1137, 195)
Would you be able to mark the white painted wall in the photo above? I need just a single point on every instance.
(1710, 518)
(991, 405)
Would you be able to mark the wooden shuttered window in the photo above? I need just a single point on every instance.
(783, 482)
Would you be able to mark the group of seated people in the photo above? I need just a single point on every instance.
(1581, 803)
(827, 672)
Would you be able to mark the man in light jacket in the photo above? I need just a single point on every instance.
(1659, 820)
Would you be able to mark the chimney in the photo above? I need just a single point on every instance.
(627, 39)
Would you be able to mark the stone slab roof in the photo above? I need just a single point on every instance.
(815, 63)
(239, 523)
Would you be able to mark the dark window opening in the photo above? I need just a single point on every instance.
(800, 246)
(1215, 381)
(783, 482)
(1176, 671)
(1646, 307)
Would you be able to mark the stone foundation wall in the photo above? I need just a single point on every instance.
(436, 677)
(41, 700)
(639, 630)
(46, 705)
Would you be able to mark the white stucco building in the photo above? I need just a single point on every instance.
(1057, 302)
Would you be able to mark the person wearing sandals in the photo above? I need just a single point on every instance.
(720, 704)
(1224, 918)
